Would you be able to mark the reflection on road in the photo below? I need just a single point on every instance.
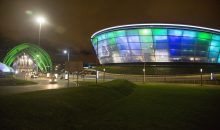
(43, 84)
(52, 86)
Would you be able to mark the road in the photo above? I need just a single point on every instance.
(43, 84)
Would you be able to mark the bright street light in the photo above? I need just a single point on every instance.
(68, 58)
(41, 20)
(201, 76)
(65, 51)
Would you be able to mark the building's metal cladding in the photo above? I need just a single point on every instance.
(157, 43)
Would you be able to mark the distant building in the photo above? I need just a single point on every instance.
(28, 58)
(5, 70)
(155, 43)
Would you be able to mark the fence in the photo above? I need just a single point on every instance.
(188, 79)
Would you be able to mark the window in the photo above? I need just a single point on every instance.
(111, 41)
(146, 38)
(216, 37)
(132, 32)
(123, 46)
(110, 35)
(203, 35)
(160, 32)
(215, 43)
(120, 33)
(146, 45)
(214, 49)
(173, 32)
(145, 32)
(189, 34)
(160, 39)
(174, 52)
(161, 45)
(121, 40)
(135, 46)
(188, 40)
(133, 39)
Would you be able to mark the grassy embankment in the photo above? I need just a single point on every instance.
(118, 104)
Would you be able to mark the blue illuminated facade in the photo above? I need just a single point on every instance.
(157, 43)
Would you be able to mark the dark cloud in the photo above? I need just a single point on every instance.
(72, 22)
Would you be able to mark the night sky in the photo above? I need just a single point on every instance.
(72, 22)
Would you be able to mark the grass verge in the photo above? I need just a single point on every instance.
(117, 104)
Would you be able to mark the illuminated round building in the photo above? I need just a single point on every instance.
(28, 58)
(155, 43)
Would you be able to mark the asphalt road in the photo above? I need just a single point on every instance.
(43, 84)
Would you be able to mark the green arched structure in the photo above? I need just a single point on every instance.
(39, 55)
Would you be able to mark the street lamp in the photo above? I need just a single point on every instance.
(104, 75)
(68, 58)
(97, 55)
(41, 20)
(144, 70)
(201, 76)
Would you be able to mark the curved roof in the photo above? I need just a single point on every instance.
(39, 55)
(160, 25)
(4, 68)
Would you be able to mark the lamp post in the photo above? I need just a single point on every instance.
(144, 70)
(41, 20)
(104, 75)
(97, 54)
(201, 76)
(68, 58)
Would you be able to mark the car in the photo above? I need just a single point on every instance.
(34, 76)
(52, 80)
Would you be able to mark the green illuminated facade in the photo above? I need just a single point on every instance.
(157, 43)
(38, 55)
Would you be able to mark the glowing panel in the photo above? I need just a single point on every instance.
(173, 32)
(216, 37)
(135, 46)
(132, 32)
(214, 49)
(112, 41)
(158, 43)
(189, 34)
(145, 32)
(160, 31)
(133, 39)
(101, 37)
(120, 33)
(215, 43)
(146, 38)
(121, 40)
(203, 35)
(160, 39)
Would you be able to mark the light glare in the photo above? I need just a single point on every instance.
(41, 20)
(65, 51)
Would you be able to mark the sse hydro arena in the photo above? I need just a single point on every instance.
(157, 43)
